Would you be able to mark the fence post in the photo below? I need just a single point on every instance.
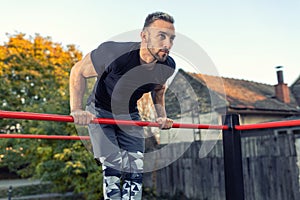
(9, 192)
(233, 166)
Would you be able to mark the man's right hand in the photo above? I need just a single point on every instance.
(82, 117)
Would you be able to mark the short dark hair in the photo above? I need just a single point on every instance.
(158, 15)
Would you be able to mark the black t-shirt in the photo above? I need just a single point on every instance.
(122, 79)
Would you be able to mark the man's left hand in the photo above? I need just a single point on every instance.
(164, 123)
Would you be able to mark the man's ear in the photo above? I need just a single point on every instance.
(144, 36)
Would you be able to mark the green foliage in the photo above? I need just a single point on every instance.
(34, 77)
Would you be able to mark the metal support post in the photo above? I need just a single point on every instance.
(233, 166)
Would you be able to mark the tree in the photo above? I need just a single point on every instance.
(34, 74)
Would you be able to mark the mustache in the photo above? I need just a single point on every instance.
(164, 50)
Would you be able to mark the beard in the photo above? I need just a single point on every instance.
(159, 55)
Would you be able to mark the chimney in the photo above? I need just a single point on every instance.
(282, 91)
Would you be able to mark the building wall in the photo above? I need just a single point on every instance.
(214, 118)
(190, 135)
(258, 118)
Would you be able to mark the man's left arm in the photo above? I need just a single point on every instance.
(158, 97)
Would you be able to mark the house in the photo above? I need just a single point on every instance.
(295, 88)
(254, 102)
(204, 99)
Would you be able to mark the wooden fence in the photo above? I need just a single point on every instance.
(270, 170)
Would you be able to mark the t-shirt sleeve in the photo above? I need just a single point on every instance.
(99, 58)
(164, 71)
(108, 52)
(172, 66)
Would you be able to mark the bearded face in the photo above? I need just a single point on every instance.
(160, 37)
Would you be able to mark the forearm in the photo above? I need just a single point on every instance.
(160, 106)
(158, 97)
(159, 102)
(77, 89)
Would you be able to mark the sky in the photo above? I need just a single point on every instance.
(243, 39)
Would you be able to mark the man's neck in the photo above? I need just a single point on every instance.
(145, 55)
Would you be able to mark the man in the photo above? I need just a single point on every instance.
(124, 71)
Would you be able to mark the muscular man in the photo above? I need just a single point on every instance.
(124, 71)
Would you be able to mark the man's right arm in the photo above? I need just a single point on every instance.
(79, 73)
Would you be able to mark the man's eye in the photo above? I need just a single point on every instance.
(162, 36)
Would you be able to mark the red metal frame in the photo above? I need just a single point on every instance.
(67, 118)
(277, 124)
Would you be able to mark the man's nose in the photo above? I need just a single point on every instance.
(168, 43)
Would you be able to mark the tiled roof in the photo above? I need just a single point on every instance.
(243, 94)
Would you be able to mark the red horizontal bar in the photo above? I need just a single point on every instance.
(35, 116)
(268, 125)
(68, 118)
(51, 137)
(200, 126)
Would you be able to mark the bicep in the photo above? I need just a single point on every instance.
(158, 93)
(160, 89)
(85, 67)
